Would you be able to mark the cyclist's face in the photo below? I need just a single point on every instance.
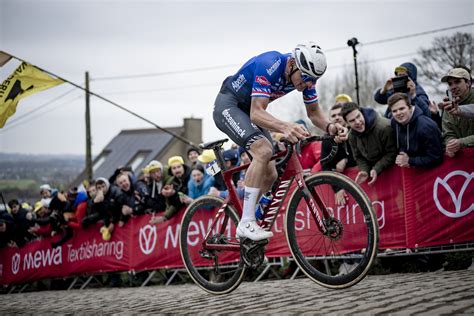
(301, 81)
(356, 121)
(401, 112)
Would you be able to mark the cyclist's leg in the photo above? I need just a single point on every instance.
(236, 123)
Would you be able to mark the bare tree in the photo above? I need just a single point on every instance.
(369, 80)
(445, 53)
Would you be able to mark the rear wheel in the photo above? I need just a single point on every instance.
(343, 255)
(215, 271)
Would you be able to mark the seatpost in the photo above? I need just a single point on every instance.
(220, 159)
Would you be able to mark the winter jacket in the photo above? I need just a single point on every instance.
(196, 190)
(421, 99)
(375, 147)
(420, 139)
(459, 127)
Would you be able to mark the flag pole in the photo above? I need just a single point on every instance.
(184, 140)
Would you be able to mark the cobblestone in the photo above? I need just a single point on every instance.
(398, 294)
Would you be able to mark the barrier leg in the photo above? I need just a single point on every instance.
(87, 282)
(150, 276)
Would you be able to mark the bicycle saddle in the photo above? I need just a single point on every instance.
(214, 144)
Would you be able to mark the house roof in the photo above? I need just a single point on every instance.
(126, 146)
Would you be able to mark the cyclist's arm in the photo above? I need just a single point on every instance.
(317, 116)
(260, 116)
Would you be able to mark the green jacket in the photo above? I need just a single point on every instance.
(458, 127)
(374, 148)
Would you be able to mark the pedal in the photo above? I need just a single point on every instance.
(252, 252)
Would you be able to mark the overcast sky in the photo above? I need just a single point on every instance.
(113, 39)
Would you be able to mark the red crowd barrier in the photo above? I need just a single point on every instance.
(415, 208)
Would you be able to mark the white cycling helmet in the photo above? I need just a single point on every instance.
(310, 59)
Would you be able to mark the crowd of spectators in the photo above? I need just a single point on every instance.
(413, 132)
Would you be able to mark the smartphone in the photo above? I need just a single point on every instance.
(450, 95)
(400, 84)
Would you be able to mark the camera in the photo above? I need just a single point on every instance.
(352, 42)
(400, 84)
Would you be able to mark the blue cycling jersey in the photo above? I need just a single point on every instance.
(264, 76)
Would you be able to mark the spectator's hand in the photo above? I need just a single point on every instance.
(137, 195)
(214, 192)
(99, 197)
(411, 88)
(29, 216)
(388, 86)
(361, 177)
(402, 160)
(373, 176)
(62, 197)
(168, 190)
(341, 165)
(12, 244)
(341, 197)
(185, 199)
(126, 210)
(157, 220)
(340, 131)
(294, 132)
(433, 107)
(453, 146)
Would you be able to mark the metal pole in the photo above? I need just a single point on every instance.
(356, 74)
(88, 133)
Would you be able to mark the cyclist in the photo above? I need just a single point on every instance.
(240, 112)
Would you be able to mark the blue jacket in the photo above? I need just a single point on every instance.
(420, 139)
(421, 100)
(196, 190)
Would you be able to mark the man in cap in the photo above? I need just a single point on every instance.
(458, 132)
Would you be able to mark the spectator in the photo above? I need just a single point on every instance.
(231, 159)
(343, 158)
(206, 159)
(175, 190)
(193, 154)
(23, 220)
(43, 221)
(200, 182)
(7, 229)
(371, 139)
(130, 200)
(46, 191)
(417, 94)
(419, 141)
(157, 181)
(458, 132)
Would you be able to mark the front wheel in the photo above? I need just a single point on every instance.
(215, 271)
(343, 255)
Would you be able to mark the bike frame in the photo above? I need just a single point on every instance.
(292, 171)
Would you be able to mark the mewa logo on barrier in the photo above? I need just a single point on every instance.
(147, 239)
(456, 197)
(16, 263)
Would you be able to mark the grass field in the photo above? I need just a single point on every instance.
(17, 184)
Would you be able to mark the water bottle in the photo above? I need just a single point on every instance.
(262, 205)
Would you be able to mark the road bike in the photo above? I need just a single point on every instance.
(334, 245)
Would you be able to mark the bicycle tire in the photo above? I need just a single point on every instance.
(341, 260)
(227, 276)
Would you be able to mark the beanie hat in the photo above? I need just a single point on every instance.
(153, 165)
(207, 156)
(343, 98)
(105, 181)
(175, 160)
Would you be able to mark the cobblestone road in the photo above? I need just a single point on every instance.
(404, 294)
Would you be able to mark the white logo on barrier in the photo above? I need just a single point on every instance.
(457, 199)
(147, 239)
(16, 263)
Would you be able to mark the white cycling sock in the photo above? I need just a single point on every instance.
(250, 201)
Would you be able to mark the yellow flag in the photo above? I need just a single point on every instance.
(24, 81)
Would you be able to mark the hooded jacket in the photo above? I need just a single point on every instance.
(375, 147)
(458, 127)
(196, 190)
(421, 100)
(420, 139)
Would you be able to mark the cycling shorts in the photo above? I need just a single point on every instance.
(233, 118)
